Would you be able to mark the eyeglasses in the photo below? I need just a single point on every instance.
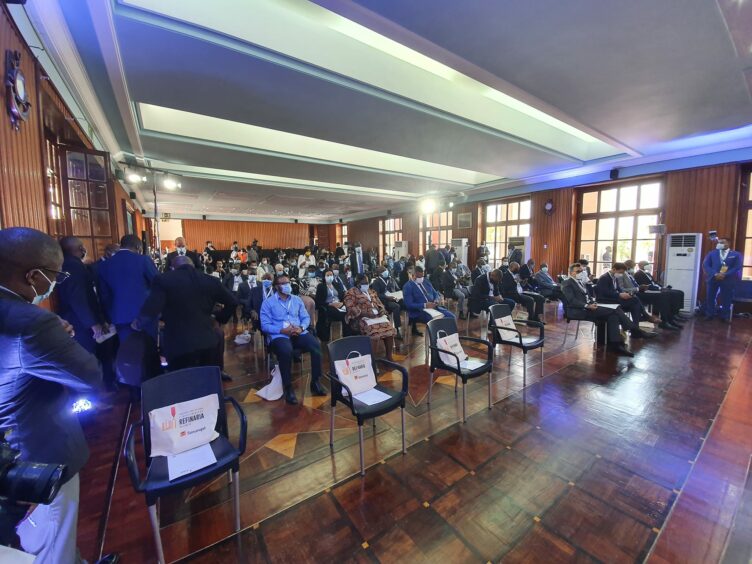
(60, 275)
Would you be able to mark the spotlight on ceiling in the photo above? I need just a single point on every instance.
(451, 204)
(135, 178)
(171, 183)
(428, 206)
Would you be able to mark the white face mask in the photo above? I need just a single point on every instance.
(181, 251)
(364, 288)
(544, 269)
(630, 270)
(38, 299)
(582, 276)
(720, 247)
(335, 272)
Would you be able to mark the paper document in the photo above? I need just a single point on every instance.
(434, 313)
(652, 291)
(471, 364)
(343, 309)
(111, 332)
(376, 320)
(190, 461)
(609, 306)
(372, 396)
(396, 295)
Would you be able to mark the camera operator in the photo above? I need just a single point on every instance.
(39, 362)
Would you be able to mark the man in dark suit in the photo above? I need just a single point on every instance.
(434, 259)
(527, 279)
(479, 270)
(381, 284)
(483, 251)
(723, 269)
(358, 261)
(608, 291)
(546, 285)
(579, 307)
(181, 251)
(661, 302)
(77, 300)
(452, 289)
(262, 291)
(40, 365)
(339, 252)
(485, 293)
(185, 300)
(510, 288)
(124, 282)
(514, 255)
(676, 297)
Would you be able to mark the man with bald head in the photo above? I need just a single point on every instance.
(39, 366)
(181, 251)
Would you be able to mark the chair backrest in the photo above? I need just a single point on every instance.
(499, 311)
(341, 349)
(437, 328)
(178, 386)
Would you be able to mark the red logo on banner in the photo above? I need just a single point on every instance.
(172, 411)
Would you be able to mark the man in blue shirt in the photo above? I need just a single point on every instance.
(420, 295)
(722, 268)
(284, 320)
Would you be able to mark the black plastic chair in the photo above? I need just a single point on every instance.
(168, 389)
(569, 319)
(341, 349)
(448, 326)
(522, 342)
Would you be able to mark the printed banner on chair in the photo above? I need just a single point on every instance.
(508, 322)
(356, 373)
(183, 426)
(451, 343)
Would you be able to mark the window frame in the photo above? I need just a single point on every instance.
(497, 248)
(426, 227)
(390, 231)
(744, 237)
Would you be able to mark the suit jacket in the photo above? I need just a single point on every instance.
(643, 277)
(190, 254)
(185, 299)
(35, 381)
(415, 299)
(244, 294)
(605, 290)
(544, 280)
(476, 273)
(124, 282)
(433, 259)
(257, 298)
(482, 288)
(527, 278)
(509, 285)
(321, 293)
(77, 300)
(576, 298)
(712, 264)
(448, 282)
(229, 282)
(381, 287)
(516, 256)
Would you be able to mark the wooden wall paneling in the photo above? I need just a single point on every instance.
(223, 233)
(470, 233)
(364, 231)
(22, 199)
(555, 231)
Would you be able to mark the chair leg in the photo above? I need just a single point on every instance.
(566, 333)
(155, 529)
(331, 427)
(236, 500)
(541, 362)
(489, 390)
(402, 413)
(524, 368)
(464, 403)
(374, 423)
(362, 458)
(577, 332)
(430, 385)
(229, 476)
(509, 360)
(456, 378)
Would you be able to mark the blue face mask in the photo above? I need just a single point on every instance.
(286, 289)
(329, 279)
(311, 275)
(266, 283)
(385, 274)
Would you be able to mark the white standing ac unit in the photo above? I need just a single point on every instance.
(683, 265)
(400, 249)
(461, 247)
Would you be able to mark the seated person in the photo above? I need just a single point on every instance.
(244, 295)
(643, 276)
(406, 274)
(259, 293)
(362, 304)
(661, 302)
(580, 306)
(284, 320)
(485, 293)
(546, 285)
(608, 291)
(419, 295)
(330, 295)
(510, 288)
(435, 277)
(463, 274)
(527, 276)
(383, 283)
(479, 270)
(451, 288)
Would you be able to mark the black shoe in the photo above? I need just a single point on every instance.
(112, 558)
(640, 334)
(290, 396)
(398, 336)
(463, 315)
(317, 389)
(669, 326)
(226, 377)
(620, 349)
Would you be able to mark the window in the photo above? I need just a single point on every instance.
(390, 231)
(614, 224)
(435, 229)
(344, 239)
(746, 225)
(55, 215)
(505, 220)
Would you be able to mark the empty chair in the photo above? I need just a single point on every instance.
(360, 345)
(448, 326)
(169, 389)
(523, 342)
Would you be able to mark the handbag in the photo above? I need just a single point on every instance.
(450, 343)
(356, 373)
(183, 426)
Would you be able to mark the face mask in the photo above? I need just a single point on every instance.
(244, 272)
(335, 272)
(308, 254)
(279, 272)
(286, 289)
(181, 250)
(364, 288)
(265, 261)
(266, 283)
(311, 275)
(720, 246)
(419, 280)
(544, 269)
(385, 274)
(582, 276)
(39, 299)
(349, 275)
(329, 279)
(630, 270)
(234, 271)
(252, 277)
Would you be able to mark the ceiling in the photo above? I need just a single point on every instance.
(328, 109)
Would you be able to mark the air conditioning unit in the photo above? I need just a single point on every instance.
(683, 259)
(400, 249)
(461, 247)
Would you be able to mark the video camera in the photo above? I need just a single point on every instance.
(28, 482)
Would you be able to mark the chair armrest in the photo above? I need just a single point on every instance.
(537, 324)
(438, 350)
(396, 366)
(334, 380)
(129, 451)
(488, 344)
(243, 423)
(496, 328)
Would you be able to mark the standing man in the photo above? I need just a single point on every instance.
(124, 282)
(181, 251)
(483, 251)
(433, 259)
(722, 268)
(284, 320)
(39, 365)
(515, 254)
(357, 264)
(184, 299)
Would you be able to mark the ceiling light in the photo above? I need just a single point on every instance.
(134, 178)
(170, 183)
(451, 204)
(428, 206)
